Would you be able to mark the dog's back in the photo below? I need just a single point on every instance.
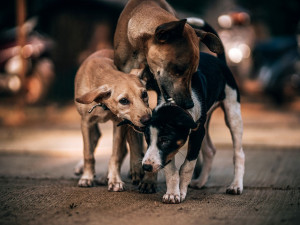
(138, 8)
(216, 74)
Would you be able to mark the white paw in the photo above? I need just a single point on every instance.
(116, 186)
(84, 182)
(171, 198)
(182, 196)
(234, 189)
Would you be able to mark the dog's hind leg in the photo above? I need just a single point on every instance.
(233, 119)
(91, 135)
(78, 169)
(208, 153)
(119, 151)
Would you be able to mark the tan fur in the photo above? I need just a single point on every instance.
(172, 62)
(98, 80)
(99, 71)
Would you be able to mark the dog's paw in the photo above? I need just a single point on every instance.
(78, 169)
(147, 188)
(85, 182)
(116, 186)
(196, 184)
(171, 199)
(137, 175)
(182, 196)
(148, 184)
(234, 189)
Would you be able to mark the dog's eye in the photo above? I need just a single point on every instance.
(124, 101)
(163, 140)
(144, 94)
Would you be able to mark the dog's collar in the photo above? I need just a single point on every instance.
(128, 122)
(99, 104)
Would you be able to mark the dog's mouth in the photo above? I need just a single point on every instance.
(128, 122)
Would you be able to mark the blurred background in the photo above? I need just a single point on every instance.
(42, 44)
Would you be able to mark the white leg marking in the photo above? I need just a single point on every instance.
(186, 173)
(196, 110)
(115, 182)
(172, 178)
(232, 110)
(152, 156)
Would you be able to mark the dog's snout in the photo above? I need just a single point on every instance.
(188, 104)
(145, 119)
(147, 167)
(185, 102)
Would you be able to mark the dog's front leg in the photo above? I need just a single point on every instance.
(172, 179)
(118, 153)
(187, 168)
(91, 135)
(135, 141)
(186, 174)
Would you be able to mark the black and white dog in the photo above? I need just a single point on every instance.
(213, 85)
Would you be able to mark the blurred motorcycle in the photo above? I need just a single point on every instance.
(238, 37)
(39, 69)
(276, 65)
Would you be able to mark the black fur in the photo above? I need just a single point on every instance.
(173, 123)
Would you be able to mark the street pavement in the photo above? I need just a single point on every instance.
(37, 184)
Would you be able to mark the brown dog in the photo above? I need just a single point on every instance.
(148, 34)
(122, 96)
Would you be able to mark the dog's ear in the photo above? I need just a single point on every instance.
(185, 120)
(97, 95)
(175, 115)
(213, 43)
(168, 32)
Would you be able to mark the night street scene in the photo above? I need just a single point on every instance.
(150, 112)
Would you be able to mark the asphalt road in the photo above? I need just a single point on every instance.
(37, 185)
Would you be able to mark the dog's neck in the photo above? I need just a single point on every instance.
(195, 112)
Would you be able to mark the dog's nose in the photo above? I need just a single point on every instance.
(147, 167)
(145, 119)
(189, 105)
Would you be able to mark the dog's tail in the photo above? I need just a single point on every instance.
(203, 25)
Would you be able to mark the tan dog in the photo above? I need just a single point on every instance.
(122, 96)
(148, 34)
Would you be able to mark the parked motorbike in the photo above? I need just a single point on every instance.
(39, 69)
(237, 36)
(276, 65)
